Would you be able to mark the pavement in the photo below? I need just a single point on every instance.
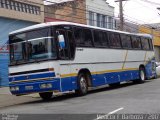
(7, 99)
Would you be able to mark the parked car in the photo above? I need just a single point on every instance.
(158, 68)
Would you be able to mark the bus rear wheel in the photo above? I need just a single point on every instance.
(142, 76)
(46, 95)
(82, 84)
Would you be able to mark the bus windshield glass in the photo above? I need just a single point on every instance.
(32, 46)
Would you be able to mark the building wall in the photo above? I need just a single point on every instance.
(72, 11)
(28, 10)
(156, 39)
(7, 25)
(104, 10)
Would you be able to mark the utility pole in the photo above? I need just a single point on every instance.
(121, 13)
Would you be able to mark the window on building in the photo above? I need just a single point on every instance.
(126, 41)
(27, 8)
(110, 22)
(16, 6)
(114, 40)
(24, 8)
(12, 5)
(3, 4)
(0, 3)
(98, 20)
(7, 4)
(103, 21)
(100, 39)
(37, 10)
(20, 7)
(136, 42)
(145, 43)
(91, 18)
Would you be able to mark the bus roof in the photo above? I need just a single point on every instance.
(47, 24)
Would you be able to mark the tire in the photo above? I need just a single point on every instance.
(46, 95)
(142, 76)
(82, 84)
(114, 85)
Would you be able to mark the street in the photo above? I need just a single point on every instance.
(128, 98)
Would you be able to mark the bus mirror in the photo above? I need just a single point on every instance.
(61, 41)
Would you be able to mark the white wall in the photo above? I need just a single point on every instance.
(99, 6)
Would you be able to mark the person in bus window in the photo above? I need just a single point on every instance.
(41, 48)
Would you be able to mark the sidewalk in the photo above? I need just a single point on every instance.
(7, 99)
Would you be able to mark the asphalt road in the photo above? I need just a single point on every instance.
(128, 98)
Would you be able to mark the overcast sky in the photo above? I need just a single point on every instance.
(139, 11)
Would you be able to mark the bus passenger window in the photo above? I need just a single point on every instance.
(78, 37)
(126, 41)
(114, 40)
(87, 37)
(145, 43)
(150, 44)
(71, 43)
(100, 39)
(136, 43)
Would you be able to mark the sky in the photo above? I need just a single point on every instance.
(139, 11)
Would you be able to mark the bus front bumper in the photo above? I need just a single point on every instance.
(35, 87)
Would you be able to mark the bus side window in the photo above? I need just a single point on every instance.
(63, 53)
(126, 41)
(150, 44)
(145, 43)
(78, 37)
(87, 34)
(71, 43)
(136, 42)
(114, 40)
(100, 39)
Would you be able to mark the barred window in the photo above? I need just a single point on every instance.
(18, 6)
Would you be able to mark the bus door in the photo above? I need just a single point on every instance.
(66, 55)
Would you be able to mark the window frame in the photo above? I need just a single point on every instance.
(114, 47)
(105, 35)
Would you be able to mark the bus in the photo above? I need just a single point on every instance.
(62, 56)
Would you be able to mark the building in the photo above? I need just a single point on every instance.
(66, 10)
(155, 31)
(100, 13)
(16, 14)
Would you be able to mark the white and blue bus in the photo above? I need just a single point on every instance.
(63, 56)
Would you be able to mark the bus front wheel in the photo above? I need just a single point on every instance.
(82, 84)
(46, 95)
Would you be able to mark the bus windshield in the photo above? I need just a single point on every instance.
(32, 46)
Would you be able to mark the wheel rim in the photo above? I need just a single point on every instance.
(142, 75)
(83, 84)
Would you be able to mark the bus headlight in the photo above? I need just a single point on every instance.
(14, 88)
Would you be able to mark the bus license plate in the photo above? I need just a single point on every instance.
(28, 87)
